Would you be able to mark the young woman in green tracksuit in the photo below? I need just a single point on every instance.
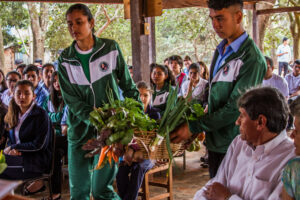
(160, 77)
(86, 69)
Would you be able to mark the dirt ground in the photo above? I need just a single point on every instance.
(185, 182)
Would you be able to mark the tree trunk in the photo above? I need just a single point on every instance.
(263, 23)
(295, 30)
(2, 57)
(38, 26)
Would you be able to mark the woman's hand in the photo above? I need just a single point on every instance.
(12, 152)
(6, 150)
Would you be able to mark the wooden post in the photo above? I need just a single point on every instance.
(152, 44)
(254, 24)
(142, 52)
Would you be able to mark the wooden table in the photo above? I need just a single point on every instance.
(6, 187)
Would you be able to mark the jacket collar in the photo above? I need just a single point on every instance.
(71, 51)
(241, 51)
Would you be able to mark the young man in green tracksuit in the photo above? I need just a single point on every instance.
(237, 65)
(86, 69)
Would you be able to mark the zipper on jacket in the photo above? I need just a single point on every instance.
(91, 85)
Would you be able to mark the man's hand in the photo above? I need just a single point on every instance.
(181, 133)
(297, 93)
(217, 191)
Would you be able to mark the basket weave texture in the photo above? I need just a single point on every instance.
(144, 139)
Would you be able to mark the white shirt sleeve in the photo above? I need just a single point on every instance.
(278, 50)
(222, 173)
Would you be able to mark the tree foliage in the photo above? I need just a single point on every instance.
(185, 31)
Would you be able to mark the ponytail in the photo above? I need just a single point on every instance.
(12, 116)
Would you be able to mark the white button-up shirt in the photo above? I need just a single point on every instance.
(253, 173)
(285, 57)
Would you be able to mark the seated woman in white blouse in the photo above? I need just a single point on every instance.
(195, 84)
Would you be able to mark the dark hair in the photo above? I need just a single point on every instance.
(143, 85)
(205, 74)
(284, 39)
(84, 9)
(57, 102)
(166, 70)
(18, 61)
(269, 60)
(31, 68)
(21, 66)
(3, 83)
(187, 58)
(13, 72)
(220, 4)
(166, 59)
(297, 62)
(38, 60)
(47, 65)
(295, 107)
(195, 66)
(12, 116)
(176, 58)
(130, 67)
(269, 102)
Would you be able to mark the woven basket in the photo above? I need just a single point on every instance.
(144, 139)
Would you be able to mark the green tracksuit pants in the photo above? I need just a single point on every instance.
(84, 180)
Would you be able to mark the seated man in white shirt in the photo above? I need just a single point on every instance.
(253, 164)
(274, 80)
(293, 80)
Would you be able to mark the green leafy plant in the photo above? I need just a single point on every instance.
(3, 164)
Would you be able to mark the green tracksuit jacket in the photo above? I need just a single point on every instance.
(241, 70)
(107, 69)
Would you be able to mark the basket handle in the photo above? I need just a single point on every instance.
(145, 146)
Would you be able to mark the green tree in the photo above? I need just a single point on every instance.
(18, 20)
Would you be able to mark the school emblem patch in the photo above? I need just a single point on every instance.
(161, 99)
(226, 70)
(104, 66)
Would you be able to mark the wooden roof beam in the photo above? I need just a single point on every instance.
(278, 10)
(72, 1)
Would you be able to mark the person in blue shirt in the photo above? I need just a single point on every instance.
(187, 63)
(128, 187)
(237, 65)
(47, 71)
(12, 78)
(31, 73)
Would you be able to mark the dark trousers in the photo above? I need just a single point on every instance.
(61, 147)
(128, 187)
(15, 169)
(214, 161)
(283, 66)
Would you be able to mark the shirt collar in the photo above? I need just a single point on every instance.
(272, 144)
(235, 45)
(27, 112)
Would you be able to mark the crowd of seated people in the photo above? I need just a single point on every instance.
(31, 109)
(27, 97)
